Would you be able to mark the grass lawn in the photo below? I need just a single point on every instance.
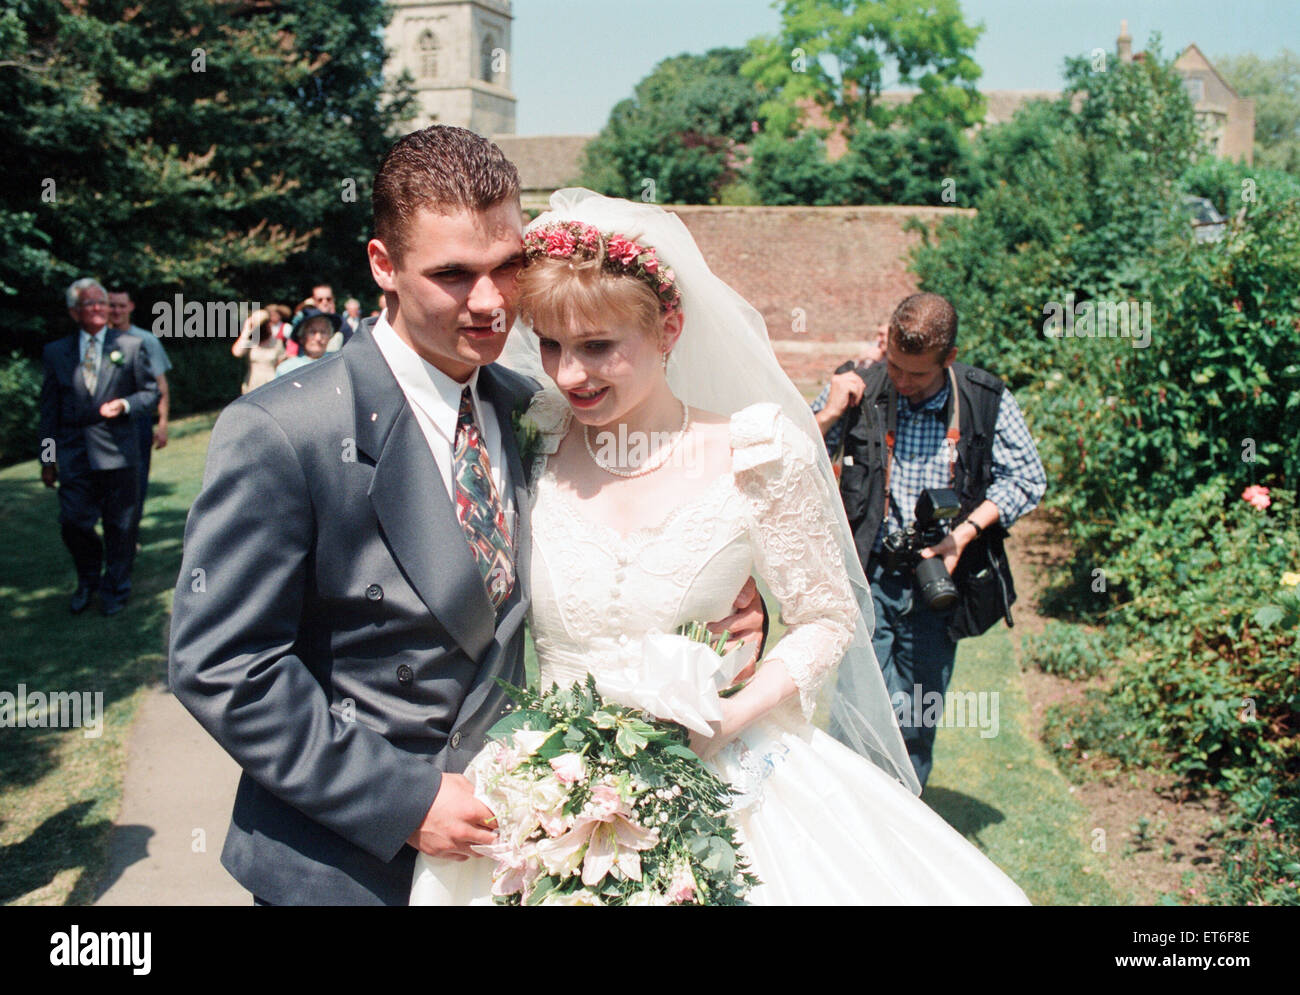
(59, 789)
(1004, 793)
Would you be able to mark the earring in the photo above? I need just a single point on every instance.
(665, 359)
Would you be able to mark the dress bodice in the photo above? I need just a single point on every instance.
(596, 591)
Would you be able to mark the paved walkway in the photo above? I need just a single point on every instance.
(179, 787)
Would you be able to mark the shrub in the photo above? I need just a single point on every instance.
(20, 389)
(1068, 651)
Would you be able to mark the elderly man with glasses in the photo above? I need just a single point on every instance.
(95, 379)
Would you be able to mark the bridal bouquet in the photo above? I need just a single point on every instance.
(600, 804)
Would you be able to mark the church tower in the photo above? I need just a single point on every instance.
(458, 54)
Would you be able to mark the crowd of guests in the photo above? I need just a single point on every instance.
(105, 406)
(275, 340)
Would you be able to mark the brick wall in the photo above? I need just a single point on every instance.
(845, 268)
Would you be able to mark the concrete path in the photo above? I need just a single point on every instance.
(166, 846)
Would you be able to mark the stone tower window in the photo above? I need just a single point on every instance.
(485, 59)
(428, 45)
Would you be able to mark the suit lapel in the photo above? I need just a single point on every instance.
(411, 502)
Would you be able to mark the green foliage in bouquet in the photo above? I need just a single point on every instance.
(599, 804)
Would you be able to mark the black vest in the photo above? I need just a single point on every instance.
(862, 483)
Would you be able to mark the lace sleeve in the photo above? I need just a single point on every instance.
(798, 555)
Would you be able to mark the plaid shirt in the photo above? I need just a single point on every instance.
(921, 459)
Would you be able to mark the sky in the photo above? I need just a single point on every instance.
(575, 59)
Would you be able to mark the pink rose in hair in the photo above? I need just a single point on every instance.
(560, 242)
(650, 262)
(588, 237)
(622, 250)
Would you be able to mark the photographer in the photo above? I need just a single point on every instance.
(973, 468)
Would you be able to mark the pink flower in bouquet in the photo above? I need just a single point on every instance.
(1257, 496)
(622, 250)
(603, 836)
(651, 262)
(682, 886)
(569, 768)
(517, 867)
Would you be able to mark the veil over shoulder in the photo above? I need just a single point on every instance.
(724, 362)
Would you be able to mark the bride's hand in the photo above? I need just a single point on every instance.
(706, 747)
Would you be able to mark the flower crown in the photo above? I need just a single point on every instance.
(579, 240)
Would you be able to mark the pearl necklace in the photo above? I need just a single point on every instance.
(648, 466)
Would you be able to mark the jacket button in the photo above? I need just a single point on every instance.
(455, 739)
(375, 593)
(404, 674)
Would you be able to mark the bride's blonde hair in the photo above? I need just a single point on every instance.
(582, 293)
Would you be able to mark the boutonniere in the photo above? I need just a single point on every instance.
(115, 357)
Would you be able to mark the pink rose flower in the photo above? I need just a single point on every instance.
(1257, 496)
(569, 768)
(560, 242)
(651, 262)
(622, 250)
(682, 886)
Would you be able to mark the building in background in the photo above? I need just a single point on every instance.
(1226, 119)
(458, 55)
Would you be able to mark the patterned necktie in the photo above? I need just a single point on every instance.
(479, 509)
(90, 364)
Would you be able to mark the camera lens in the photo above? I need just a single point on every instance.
(936, 588)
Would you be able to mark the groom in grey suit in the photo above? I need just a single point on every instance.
(344, 647)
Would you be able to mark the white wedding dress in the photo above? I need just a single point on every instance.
(819, 824)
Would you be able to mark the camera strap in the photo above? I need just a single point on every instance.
(951, 438)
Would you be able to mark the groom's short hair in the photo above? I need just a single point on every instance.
(440, 168)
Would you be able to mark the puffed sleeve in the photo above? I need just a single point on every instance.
(796, 549)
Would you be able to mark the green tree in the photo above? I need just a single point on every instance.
(1274, 84)
(796, 171)
(221, 151)
(835, 53)
(681, 137)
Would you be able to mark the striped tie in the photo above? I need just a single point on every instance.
(90, 364)
(479, 509)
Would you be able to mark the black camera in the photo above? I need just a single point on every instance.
(901, 550)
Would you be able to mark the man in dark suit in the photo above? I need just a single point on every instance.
(94, 380)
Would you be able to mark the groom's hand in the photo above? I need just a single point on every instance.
(456, 821)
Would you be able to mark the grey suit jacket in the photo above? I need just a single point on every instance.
(69, 413)
(331, 630)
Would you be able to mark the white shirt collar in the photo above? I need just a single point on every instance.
(424, 385)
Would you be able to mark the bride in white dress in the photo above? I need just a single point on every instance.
(675, 461)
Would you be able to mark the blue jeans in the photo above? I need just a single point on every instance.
(916, 658)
